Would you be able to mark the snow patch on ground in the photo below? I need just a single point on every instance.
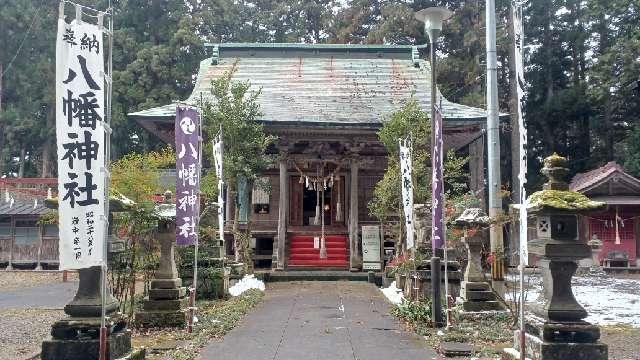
(393, 294)
(608, 300)
(246, 283)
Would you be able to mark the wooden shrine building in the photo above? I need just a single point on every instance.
(617, 228)
(25, 240)
(325, 104)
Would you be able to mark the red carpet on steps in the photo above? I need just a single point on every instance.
(302, 253)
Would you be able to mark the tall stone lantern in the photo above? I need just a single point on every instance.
(556, 330)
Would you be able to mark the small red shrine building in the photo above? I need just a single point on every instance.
(617, 228)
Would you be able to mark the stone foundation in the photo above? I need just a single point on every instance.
(166, 305)
(537, 349)
(79, 339)
(478, 296)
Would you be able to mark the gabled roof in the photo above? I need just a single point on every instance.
(346, 85)
(610, 179)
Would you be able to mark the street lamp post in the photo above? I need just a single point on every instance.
(433, 18)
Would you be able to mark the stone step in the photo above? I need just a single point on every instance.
(476, 286)
(165, 305)
(167, 294)
(481, 306)
(479, 295)
(162, 319)
(166, 283)
(451, 349)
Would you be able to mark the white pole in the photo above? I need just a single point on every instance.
(220, 193)
(522, 175)
(493, 151)
(107, 135)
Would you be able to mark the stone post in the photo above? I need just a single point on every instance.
(283, 210)
(167, 302)
(77, 337)
(556, 330)
(354, 259)
(475, 291)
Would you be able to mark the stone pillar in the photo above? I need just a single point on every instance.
(354, 259)
(556, 330)
(278, 261)
(167, 302)
(77, 337)
(475, 291)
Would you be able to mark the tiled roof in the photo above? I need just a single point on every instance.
(23, 206)
(588, 180)
(349, 85)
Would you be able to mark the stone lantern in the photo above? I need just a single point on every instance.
(166, 305)
(475, 291)
(557, 330)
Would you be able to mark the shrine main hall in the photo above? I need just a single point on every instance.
(325, 105)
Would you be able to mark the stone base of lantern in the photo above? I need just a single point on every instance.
(77, 338)
(166, 305)
(419, 282)
(547, 340)
(478, 296)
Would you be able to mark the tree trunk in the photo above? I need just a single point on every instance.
(47, 148)
(2, 144)
(23, 155)
(549, 134)
(236, 226)
(608, 123)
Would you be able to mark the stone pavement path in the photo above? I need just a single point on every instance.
(52, 296)
(302, 320)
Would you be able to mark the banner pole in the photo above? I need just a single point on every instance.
(194, 285)
(518, 30)
(107, 134)
(220, 194)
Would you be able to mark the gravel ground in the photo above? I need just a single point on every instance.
(623, 341)
(24, 330)
(11, 280)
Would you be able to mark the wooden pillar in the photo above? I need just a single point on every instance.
(283, 210)
(353, 217)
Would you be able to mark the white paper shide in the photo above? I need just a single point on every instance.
(80, 144)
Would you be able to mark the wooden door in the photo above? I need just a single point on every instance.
(295, 201)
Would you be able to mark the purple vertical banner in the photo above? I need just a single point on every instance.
(437, 186)
(188, 179)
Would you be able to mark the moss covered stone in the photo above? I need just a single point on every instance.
(563, 200)
(555, 160)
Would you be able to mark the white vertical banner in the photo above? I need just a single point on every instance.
(522, 175)
(217, 159)
(80, 143)
(406, 169)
